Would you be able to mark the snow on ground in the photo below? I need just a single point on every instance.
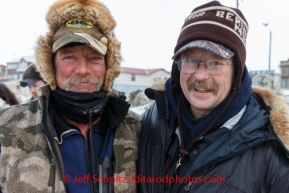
(141, 109)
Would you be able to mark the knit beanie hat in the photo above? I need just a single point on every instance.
(79, 21)
(217, 23)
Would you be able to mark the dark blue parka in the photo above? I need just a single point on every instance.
(251, 156)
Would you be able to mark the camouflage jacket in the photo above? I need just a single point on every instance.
(28, 146)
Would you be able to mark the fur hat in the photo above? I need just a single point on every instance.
(89, 10)
(219, 24)
(30, 76)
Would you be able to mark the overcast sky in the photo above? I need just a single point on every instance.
(148, 29)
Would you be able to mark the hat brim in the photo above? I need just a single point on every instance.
(27, 81)
(80, 38)
(207, 45)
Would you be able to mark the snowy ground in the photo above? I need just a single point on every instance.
(141, 109)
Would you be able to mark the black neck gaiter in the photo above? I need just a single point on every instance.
(77, 106)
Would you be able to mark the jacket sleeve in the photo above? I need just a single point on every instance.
(280, 182)
(151, 151)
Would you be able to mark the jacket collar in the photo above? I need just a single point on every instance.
(116, 108)
(279, 110)
(237, 140)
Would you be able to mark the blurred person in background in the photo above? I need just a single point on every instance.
(32, 79)
(7, 96)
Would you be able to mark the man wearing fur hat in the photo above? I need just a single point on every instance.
(209, 130)
(80, 135)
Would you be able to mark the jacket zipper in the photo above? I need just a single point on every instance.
(222, 159)
(90, 144)
(51, 181)
(100, 177)
(87, 163)
(47, 130)
(188, 186)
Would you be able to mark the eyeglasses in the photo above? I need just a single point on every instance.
(213, 66)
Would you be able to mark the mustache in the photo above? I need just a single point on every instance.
(202, 85)
(80, 80)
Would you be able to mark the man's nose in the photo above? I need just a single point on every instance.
(32, 89)
(82, 67)
(202, 72)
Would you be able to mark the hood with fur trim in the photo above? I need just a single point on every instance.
(279, 114)
(90, 10)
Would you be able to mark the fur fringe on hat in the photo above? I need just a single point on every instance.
(91, 10)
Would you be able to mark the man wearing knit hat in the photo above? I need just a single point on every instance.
(32, 79)
(209, 130)
(80, 135)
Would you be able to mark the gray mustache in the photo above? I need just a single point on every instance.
(79, 80)
(204, 85)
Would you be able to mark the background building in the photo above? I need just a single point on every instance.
(284, 66)
(2, 72)
(132, 79)
(16, 68)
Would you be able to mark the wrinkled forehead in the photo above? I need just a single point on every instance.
(77, 50)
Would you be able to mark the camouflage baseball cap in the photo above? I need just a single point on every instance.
(207, 45)
(80, 31)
